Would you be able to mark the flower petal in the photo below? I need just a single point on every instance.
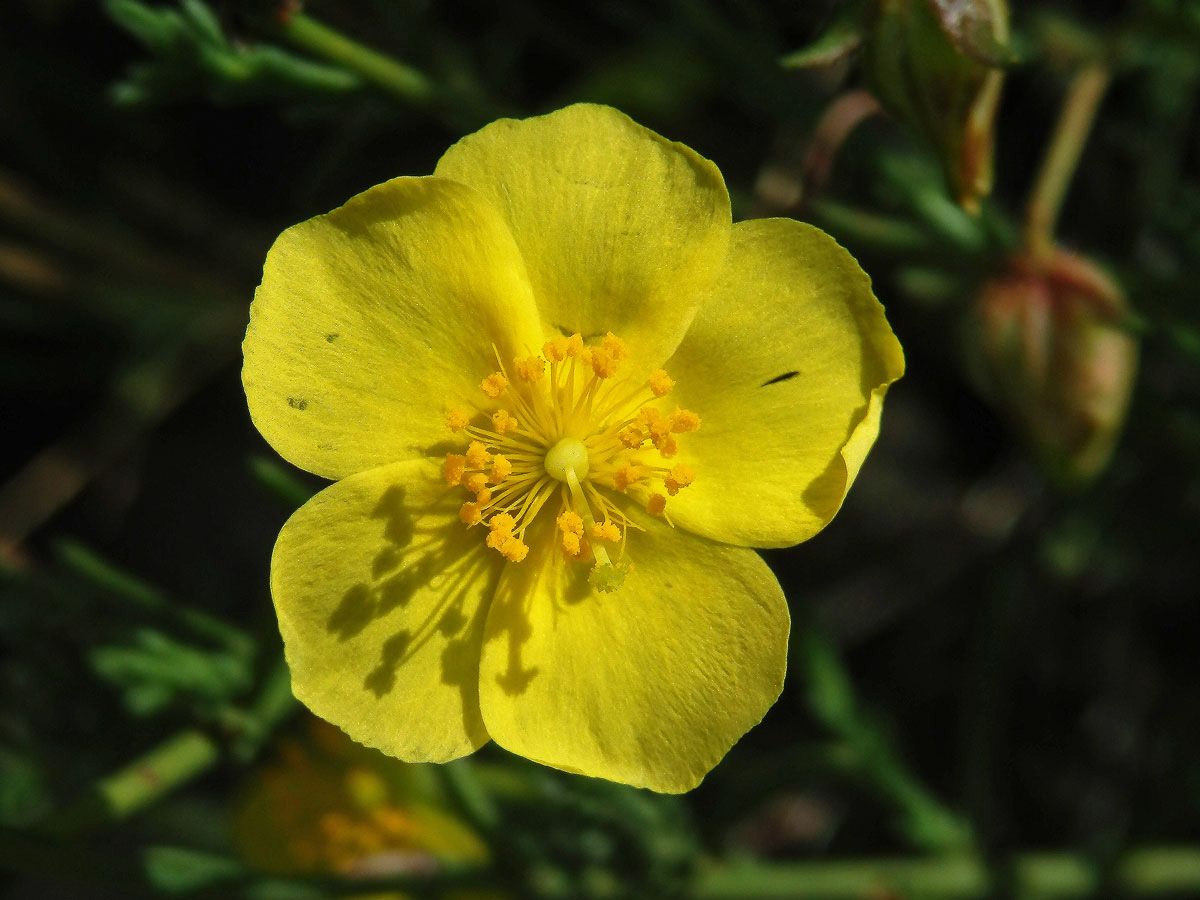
(650, 685)
(620, 228)
(787, 364)
(381, 596)
(373, 320)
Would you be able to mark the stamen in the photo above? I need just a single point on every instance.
(586, 440)
(661, 383)
(681, 476)
(494, 385)
(453, 468)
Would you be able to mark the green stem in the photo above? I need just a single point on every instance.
(924, 819)
(92, 567)
(1143, 872)
(470, 794)
(114, 798)
(1062, 157)
(403, 81)
(173, 763)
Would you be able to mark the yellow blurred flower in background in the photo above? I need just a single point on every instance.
(330, 806)
(562, 395)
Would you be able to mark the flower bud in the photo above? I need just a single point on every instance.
(935, 66)
(1049, 343)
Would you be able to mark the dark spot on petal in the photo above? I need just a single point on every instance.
(786, 376)
(332, 337)
(298, 403)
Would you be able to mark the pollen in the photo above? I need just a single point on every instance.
(469, 514)
(615, 347)
(626, 476)
(453, 468)
(502, 421)
(514, 549)
(477, 455)
(494, 385)
(679, 478)
(530, 369)
(606, 531)
(501, 469)
(571, 544)
(631, 436)
(684, 421)
(570, 436)
(569, 522)
(604, 362)
(661, 383)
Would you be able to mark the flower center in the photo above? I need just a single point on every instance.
(580, 439)
(569, 455)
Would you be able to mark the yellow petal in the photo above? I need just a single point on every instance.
(787, 364)
(650, 685)
(620, 229)
(381, 596)
(375, 319)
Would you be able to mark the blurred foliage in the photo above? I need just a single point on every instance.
(984, 661)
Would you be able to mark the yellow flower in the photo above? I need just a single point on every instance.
(564, 310)
(327, 806)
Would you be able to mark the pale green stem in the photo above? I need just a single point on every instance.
(1062, 157)
(1144, 872)
(397, 78)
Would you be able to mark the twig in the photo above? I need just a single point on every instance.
(1062, 157)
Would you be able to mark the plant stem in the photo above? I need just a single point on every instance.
(1142, 872)
(403, 81)
(1062, 157)
(924, 820)
(172, 763)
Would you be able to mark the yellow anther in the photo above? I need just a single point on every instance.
(571, 544)
(570, 522)
(604, 363)
(679, 478)
(514, 549)
(477, 455)
(615, 347)
(501, 469)
(454, 467)
(530, 368)
(661, 383)
(631, 436)
(667, 446)
(555, 350)
(574, 344)
(656, 504)
(484, 496)
(457, 420)
(476, 483)
(469, 514)
(494, 385)
(502, 421)
(625, 476)
(684, 420)
(501, 525)
(607, 531)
